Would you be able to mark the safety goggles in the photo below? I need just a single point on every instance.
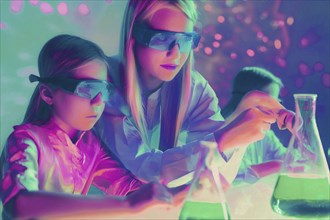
(85, 88)
(165, 40)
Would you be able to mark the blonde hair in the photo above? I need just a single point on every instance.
(141, 11)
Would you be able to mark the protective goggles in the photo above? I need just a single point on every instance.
(166, 40)
(85, 88)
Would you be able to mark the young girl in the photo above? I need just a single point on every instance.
(261, 157)
(164, 107)
(54, 157)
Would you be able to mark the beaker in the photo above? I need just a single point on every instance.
(205, 198)
(302, 188)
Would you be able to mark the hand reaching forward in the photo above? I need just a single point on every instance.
(148, 195)
(252, 119)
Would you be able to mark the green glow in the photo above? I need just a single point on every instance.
(301, 196)
(203, 210)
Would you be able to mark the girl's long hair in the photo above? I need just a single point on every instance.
(60, 56)
(173, 106)
(246, 80)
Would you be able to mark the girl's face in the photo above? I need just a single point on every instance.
(74, 113)
(157, 66)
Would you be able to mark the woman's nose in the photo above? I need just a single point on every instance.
(97, 100)
(174, 51)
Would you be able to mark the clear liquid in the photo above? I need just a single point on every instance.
(301, 197)
(203, 211)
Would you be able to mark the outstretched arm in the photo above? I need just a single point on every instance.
(42, 204)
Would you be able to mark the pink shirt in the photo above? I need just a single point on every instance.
(44, 158)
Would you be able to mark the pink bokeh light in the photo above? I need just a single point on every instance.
(233, 56)
(280, 62)
(216, 44)
(318, 67)
(208, 51)
(304, 69)
(46, 8)
(221, 19)
(34, 2)
(16, 6)
(217, 36)
(250, 52)
(3, 25)
(83, 9)
(326, 80)
(62, 8)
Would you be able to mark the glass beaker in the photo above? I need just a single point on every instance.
(205, 199)
(302, 188)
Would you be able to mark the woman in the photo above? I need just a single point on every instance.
(163, 108)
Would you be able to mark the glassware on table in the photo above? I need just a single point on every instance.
(302, 188)
(205, 199)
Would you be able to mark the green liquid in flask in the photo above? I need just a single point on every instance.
(301, 197)
(203, 211)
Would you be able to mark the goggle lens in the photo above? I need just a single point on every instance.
(85, 88)
(166, 40)
(91, 88)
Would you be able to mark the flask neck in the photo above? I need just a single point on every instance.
(306, 107)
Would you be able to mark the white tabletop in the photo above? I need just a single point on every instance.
(245, 201)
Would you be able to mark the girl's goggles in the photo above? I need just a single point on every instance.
(85, 88)
(166, 40)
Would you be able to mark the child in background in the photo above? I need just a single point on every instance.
(52, 158)
(262, 157)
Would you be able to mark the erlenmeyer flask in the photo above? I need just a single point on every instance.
(302, 188)
(205, 199)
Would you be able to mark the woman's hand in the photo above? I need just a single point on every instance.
(148, 195)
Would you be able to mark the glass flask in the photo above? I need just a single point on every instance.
(205, 199)
(302, 188)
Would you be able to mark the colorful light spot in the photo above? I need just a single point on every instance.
(326, 80)
(16, 6)
(304, 69)
(221, 19)
(280, 62)
(34, 2)
(62, 8)
(108, 1)
(83, 9)
(208, 50)
(3, 25)
(260, 35)
(250, 52)
(262, 49)
(233, 56)
(318, 67)
(46, 8)
(222, 70)
(208, 7)
(277, 44)
(217, 36)
(265, 39)
(304, 42)
(216, 44)
(290, 21)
